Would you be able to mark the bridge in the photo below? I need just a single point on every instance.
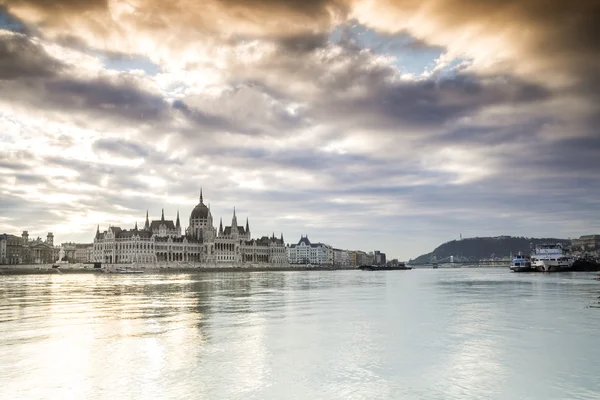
(456, 261)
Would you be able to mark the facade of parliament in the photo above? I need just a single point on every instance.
(164, 241)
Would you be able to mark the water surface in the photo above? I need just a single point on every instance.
(420, 334)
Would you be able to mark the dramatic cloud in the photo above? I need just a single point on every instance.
(389, 124)
(21, 57)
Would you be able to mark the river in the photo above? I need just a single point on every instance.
(470, 333)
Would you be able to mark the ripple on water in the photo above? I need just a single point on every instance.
(427, 334)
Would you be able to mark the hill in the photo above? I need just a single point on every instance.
(478, 248)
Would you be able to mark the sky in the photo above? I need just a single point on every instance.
(392, 125)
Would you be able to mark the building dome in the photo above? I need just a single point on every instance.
(200, 211)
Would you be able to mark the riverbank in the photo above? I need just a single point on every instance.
(40, 269)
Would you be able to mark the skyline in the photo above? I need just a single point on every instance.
(373, 125)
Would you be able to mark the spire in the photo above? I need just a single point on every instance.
(162, 215)
(177, 224)
(234, 220)
(282, 238)
(201, 199)
(135, 226)
(221, 227)
(247, 226)
(147, 224)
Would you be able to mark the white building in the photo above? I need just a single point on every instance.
(341, 258)
(3, 257)
(306, 252)
(163, 241)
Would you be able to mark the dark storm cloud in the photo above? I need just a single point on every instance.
(571, 159)
(91, 100)
(120, 98)
(347, 86)
(430, 102)
(28, 74)
(20, 57)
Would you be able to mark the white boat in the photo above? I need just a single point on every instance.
(521, 263)
(551, 258)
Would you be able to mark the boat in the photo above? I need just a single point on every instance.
(521, 263)
(551, 258)
(586, 264)
(434, 265)
(399, 267)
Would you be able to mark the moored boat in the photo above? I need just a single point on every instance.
(399, 267)
(586, 264)
(521, 263)
(551, 258)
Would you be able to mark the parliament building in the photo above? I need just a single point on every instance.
(165, 241)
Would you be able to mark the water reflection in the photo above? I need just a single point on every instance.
(337, 335)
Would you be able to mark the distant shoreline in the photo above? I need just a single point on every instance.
(45, 270)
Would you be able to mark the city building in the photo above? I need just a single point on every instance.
(78, 252)
(341, 258)
(38, 251)
(353, 258)
(345, 261)
(362, 258)
(586, 243)
(21, 250)
(11, 249)
(165, 241)
(379, 258)
(329, 251)
(306, 252)
(337, 257)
